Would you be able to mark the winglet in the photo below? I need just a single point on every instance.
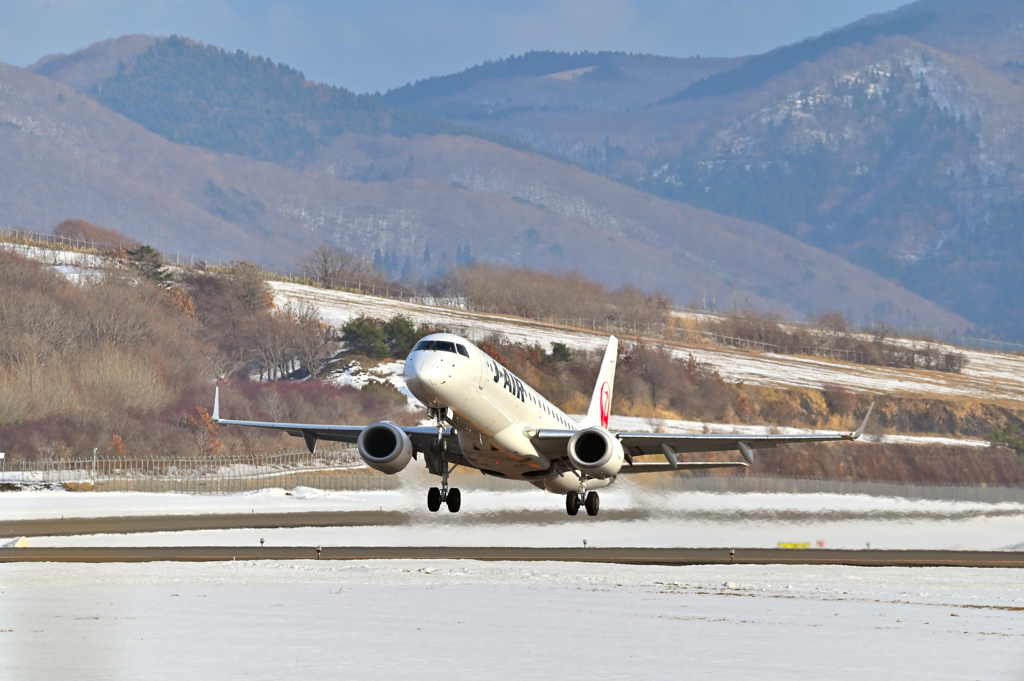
(216, 403)
(860, 431)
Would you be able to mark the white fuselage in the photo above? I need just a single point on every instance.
(492, 410)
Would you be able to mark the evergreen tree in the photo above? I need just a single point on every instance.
(464, 256)
(1009, 436)
(400, 334)
(365, 336)
(148, 262)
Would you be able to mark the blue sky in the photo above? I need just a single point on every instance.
(373, 45)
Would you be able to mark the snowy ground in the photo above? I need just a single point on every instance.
(66, 261)
(535, 519)
(392, 373)
(478, 620)
(988, 375)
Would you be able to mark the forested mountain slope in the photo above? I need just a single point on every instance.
(555, 80)
(895, 142)
(202, 95)
(407, 197)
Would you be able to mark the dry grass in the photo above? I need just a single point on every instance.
(121, 380)
(118, 363)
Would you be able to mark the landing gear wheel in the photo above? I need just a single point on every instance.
(433, 499)
(593, 503)
(454, 500)
(572, 503)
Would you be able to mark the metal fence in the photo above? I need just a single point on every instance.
(82, 252)
(339, 470)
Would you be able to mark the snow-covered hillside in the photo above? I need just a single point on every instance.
(988, 375)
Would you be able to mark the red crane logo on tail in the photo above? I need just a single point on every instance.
(605, 405)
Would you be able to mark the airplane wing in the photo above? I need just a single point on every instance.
(422, 437)
(670, 445)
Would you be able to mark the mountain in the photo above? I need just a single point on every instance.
(894, 142)
(555, 80)
(204, 96)
(91, 66)
(64, 154)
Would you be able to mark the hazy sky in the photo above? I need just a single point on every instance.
(370, 45)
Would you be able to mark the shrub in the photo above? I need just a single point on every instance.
(840, 400)
(366, 337)
(560, 353)
(385, 393)
(400, 334)
(86, 231)
(1008, 436)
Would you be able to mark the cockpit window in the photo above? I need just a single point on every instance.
(462, 349)
(443, 346)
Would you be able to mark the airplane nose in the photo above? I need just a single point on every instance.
(422, 372)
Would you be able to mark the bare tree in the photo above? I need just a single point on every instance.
(204, 432)
(315, 341)
(331, 266)
(654, 366)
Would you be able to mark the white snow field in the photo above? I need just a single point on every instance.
(988, 376)
(492, 620)
(532, 518)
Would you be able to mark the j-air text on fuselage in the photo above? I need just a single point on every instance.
(487, 418)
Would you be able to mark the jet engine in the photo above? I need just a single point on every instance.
(596, 452)
(385, 447)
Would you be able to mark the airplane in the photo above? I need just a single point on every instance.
(488, 419)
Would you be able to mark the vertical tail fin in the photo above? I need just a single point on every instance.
(601, 402)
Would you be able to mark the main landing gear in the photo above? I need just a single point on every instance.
(452, 498)
(574, 500)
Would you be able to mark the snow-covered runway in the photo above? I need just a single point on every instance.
(531, 518)
(471, 620)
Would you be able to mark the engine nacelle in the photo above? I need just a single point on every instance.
(385, 447)
(596, 452)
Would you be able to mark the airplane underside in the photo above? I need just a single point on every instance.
(556, 478)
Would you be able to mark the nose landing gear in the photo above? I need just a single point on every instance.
(450, 497)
